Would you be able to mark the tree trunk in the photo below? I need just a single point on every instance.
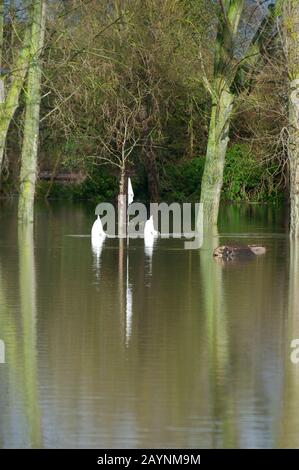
(122, 205)
(291, 31)
(11, 100)
(215, 157)
(31, 126)
(222, 104)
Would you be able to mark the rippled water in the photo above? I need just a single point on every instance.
(133, 347)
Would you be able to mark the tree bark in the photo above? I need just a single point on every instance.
(11, 101)
(215, 157)
(291, 33)
(31, 125)
(222, 105)
(229, 78)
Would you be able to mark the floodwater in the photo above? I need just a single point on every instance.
(143, 347)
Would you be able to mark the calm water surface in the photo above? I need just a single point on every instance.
(135, 347)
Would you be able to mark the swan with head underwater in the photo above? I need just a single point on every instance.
(149, 229)
(97, 241)
(97, 232)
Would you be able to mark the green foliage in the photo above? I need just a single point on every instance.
(246, 179)
(181, 182)
(100, 186)
(135, 83)
(143, 66)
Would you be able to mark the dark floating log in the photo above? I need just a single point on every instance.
(63, 177)
(236, 251)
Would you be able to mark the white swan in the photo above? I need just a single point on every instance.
(98, 237)
(130, 192)
(97, 231)
(149, 229)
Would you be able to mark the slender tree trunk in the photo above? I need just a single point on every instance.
(122, 204)
(291, 31)
(11, 101)
(222, 104)
(31, 126)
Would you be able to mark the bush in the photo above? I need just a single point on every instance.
(181, 182)
(246, 179)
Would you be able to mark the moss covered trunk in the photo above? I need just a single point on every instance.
(31, 125)
(291, 30)
(11, 99)
(215, 157)
(222, 103)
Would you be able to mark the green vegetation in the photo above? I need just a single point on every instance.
(187, 97)
(245, 180)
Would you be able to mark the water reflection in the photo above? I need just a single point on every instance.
(125, 288)
(197, 357)
(20, 413)
(27, 281)
(218, 344)
(288, 425)
(129, 299)
(8, 371)
(149, 244)
(97, 245)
